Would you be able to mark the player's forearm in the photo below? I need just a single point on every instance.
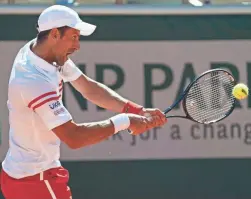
(104, 97)
(91, 133)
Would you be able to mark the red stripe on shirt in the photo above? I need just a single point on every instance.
(61, 86)
(45, 101)
(40, 97)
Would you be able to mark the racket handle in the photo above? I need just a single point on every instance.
(167, 110)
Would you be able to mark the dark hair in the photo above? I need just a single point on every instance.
(41, 36)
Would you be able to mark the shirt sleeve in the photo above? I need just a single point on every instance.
(43, 98)
(69, 71)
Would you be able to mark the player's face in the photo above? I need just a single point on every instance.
(66, 45)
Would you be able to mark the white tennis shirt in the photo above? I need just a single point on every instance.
(35, 107)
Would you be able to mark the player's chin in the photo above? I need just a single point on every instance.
(65, 58)
(68, 54)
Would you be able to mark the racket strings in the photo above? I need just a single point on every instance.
(199, 96)
(210, 115)
(211, 112)
(210, 98)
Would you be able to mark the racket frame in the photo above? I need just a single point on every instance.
(183, 97)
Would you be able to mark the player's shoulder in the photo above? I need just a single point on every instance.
(24, 71)
(30, 80)
(23, 51)
(26, 78)
(21, 62)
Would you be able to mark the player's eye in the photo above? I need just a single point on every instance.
(75, 37)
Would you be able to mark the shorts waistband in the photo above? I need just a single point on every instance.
(44, 175)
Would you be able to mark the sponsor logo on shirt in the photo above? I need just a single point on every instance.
(55, 105)
(57, 112)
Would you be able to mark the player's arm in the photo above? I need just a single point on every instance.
(100, 94)
(43, 99)
(103, 96)
(96, 92)
(80, 135)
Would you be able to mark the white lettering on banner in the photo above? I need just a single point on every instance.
(146, 66)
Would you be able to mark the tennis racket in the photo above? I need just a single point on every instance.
(207, 99)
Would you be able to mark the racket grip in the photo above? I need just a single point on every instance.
(167, 110)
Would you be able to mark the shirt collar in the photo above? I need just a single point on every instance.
(38, 61)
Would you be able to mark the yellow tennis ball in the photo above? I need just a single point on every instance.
(240, 91)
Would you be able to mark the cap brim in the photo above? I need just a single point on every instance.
(85, 29)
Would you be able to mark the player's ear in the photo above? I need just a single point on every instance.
(54, 34)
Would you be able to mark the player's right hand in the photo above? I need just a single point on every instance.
(140, 124)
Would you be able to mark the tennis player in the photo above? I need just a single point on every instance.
(38, 119)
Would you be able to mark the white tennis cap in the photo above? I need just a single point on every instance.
(58, 16)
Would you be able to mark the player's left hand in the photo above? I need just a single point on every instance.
(160, 118)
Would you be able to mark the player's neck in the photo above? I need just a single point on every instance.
(43, 51)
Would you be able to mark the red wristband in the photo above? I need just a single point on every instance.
(132, 107)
